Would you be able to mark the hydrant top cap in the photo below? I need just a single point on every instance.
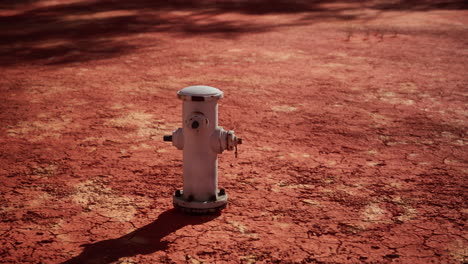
(200, 93)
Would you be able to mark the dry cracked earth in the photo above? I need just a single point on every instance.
(353, 116)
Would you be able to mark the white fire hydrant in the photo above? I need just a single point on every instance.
(201, 140)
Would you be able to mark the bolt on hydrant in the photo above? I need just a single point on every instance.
(201, 140)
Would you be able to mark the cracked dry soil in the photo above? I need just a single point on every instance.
(353, 117)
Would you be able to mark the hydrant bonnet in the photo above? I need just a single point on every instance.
(200, 93)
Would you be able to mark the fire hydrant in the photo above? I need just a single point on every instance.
(201, 140)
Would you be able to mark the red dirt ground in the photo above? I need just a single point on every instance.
(353, 116)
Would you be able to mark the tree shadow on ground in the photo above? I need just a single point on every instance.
(90, 30)
(71, 31)
(145, 240)
(420, 5)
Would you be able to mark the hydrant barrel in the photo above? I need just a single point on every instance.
(200, 162)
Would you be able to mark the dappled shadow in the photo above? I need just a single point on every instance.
(90, 30)
(73, 31)
(420, 5)
(145, 240)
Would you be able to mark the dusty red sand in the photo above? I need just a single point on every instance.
(353, 116)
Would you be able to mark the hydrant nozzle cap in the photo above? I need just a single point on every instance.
(200, 93)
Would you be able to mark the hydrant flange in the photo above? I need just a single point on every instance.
(215, 204)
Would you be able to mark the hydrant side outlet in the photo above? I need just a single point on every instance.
(201, 140)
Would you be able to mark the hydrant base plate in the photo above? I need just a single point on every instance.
(196, 207)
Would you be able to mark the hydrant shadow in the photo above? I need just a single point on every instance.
(144, 240)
